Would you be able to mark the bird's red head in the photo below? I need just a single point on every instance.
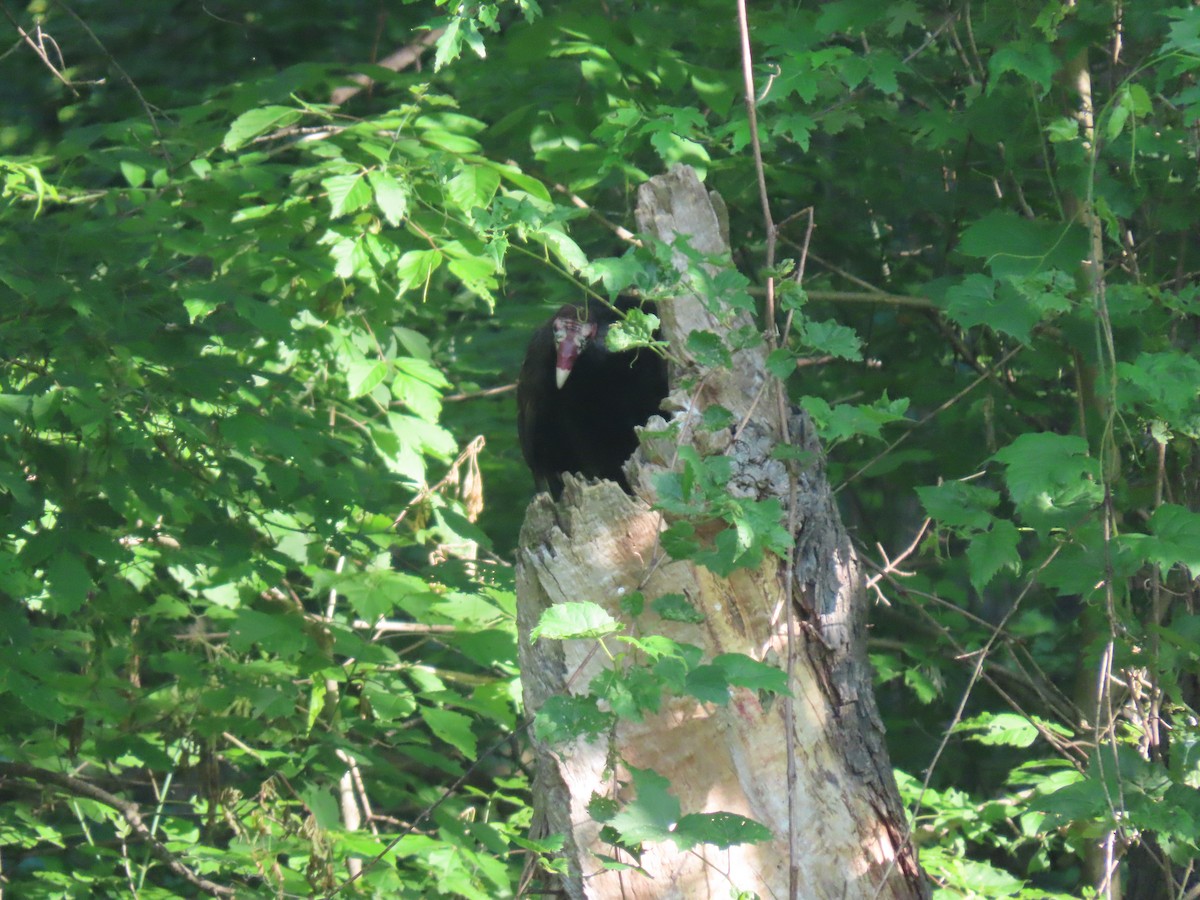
(571, 335)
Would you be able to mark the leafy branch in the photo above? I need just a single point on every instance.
(129, 812)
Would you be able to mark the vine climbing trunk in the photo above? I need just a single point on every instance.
(810, 766)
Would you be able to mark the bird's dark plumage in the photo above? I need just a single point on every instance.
(578, 402)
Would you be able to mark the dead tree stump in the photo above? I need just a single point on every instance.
(842, 836)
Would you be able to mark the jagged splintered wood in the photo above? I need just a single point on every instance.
(846, 838)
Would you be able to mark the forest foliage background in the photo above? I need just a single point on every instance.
(253, 339)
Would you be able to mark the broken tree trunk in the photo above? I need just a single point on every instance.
(825, 790)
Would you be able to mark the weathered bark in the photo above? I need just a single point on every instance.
(844, 838)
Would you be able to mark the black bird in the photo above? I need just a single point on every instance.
(578, 402)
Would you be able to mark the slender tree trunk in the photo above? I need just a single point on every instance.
(812, 767)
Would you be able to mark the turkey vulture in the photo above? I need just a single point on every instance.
(578, 402)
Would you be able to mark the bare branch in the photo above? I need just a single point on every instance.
(620, 231)
(150, 112)
(1003, 361)
(760, 173)
(39, 48)
(129, 812)
(401, 59)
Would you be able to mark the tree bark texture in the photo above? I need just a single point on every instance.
(842, 835)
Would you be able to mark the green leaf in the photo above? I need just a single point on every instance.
(781, 362)
(630, 694)
(635, 330)
(676, 608)
(1131, 102)
(959, 505)
(1176, 539)
(847, 420)
(564, 718)
(452, 727)
(921, 685)
(473, 187)
(477, 275)
(759, 527)
(316, 702)
(199, 308)
(832, 338)
(69, 583)
(321, 803)
(1031, 60)
(717, 418)
(993, 550)
(347, 193)
(653, 812)
(743, 671)
(377, 593)
(363, 376)
(885, 67)
(562, 247)
(602, 809)
(1084, 800)
(416, 267)
(390, 197)
(970, 302)
(708, 684)
(1063, 129)
(720, 829)
(278, 633)
(845, 16)
(417, 385)
(526, 183)
(449, 45)
(714, 87)
(615, 273)
(134, 174)
(1163, 385)
(1184, 32)
(708, 350)
(656, 647)
(1000, 729)
(1051, 478)
(979, 879)
(1013, 305)
(633, 604)
(574, 619)
(1079, 567)
(679, 540)
(727, 553)
(255, 122)
(1012, 245)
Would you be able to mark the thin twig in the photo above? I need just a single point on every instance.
(873, 297)
(891, 566)
(475, 395)
(39, 49)
(976, 674)
(129, 812)
(760, 173)
(432, 808)
(124, 75)
(789, 713)
(1042, 686)
(401, 59)
(619, 230)
(385, 626)
(926, 419)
